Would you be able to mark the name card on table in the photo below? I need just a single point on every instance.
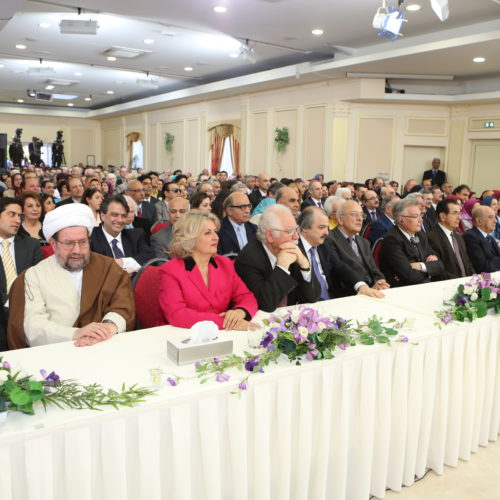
(202, 342)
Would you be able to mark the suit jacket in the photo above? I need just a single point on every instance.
(255, 198)
(148, 211)
(438, 179)
(185, 299)
(133, 242)
(153, 201)
(442, 246)
(430, 217)
(162, 212)
(67, 201)
(270, 286)
(228, 242)
(144, 224)
(160, 241)
(484, 257)
(366, 267)
(369, 219)
(396, 254)
(379, 228)
(340, 278)
(309, 202)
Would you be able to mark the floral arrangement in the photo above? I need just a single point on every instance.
(472, 300)
(20, 392)
(300, 334)
(281, 138)
(169, 142)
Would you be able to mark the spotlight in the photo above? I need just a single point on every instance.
(31, 93)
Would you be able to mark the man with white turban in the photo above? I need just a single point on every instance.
(74, 294)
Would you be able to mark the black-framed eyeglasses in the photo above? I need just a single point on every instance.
(176, 190)
(242, 207)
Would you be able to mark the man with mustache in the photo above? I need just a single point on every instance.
(74, 294)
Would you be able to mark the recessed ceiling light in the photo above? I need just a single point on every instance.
(317, 31)
(20, 46)
(479, 59)
(20, 100)
(111, 58)
(1, 66)
(220, 9)
(78, 73)
(234, 55)
(413, 7)
(49, 87)
(44, 25)
(188, 68)
(70, 104)
(149, 41)
(88, 98)
(110, 92)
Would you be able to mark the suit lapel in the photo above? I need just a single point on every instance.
(231, 233)
(197, 280)
(20, 252)
(127, 244)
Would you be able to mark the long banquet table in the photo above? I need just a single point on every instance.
(375, 417)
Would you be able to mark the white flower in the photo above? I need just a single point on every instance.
(3, 376)
(493, 295)
(474, 288)
(295, 315)
(321, 326)
(303, 331)
(468, 290)
(473, 297)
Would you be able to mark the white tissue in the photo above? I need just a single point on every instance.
(203, 331)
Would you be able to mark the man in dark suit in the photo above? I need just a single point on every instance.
(147, 184)
(370, 202)
(448, 243)
(406, 257)
(337, 279)
(437, 176)
(144, 209)
(481, 246)
(75, 188)
(272, 265)
(263, 182)
(127, 246)
(17, 254)
(354, 250)
(160, 241)
(315, 191)
(236, 230)
(385, 221)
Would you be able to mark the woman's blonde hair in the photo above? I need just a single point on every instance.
(187, 230)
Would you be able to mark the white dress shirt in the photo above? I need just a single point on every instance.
(128, 262)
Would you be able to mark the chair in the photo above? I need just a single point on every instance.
(366, 232)
(231, 255)
(146, 285)
(159, 225)
(376, 251)
(47, 251)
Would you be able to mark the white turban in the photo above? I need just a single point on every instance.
(70, 215)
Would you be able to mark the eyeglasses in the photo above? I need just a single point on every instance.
(69, 245)
(177, 211)
(176, 190)
(12, 215)
(136, 190)
(412, 216)
(290, 231)
(242, 207)
(357, 214)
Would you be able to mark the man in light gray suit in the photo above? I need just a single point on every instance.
(160, 241)
(353, 248)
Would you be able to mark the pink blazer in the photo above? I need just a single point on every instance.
(185, 299)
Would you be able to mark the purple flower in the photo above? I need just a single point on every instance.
(267, 339)
(217, 361)
(172, 381)
(221, 377)
(197, 364)
(447, 318)
(242, 386)
(6, 365)
(51, 377)
(343, 346)
(252, 363)
(461, 301)
(403, 338)
(340, 321)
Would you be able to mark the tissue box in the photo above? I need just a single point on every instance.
(182, 353)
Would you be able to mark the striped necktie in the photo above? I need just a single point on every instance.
(8, 264)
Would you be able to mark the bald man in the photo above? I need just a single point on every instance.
(135, 190)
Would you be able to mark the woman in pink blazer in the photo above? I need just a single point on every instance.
(198, 284)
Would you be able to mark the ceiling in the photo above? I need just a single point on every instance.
(189, 34)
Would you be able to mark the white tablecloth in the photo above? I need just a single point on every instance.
(372, 418)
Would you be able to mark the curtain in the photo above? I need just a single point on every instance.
(235, 154)
(132, 137)
(218, 134)
(217, 148)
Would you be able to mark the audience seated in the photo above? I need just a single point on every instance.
(199, 285)
(262, 185)
(145, 210)
(75, 189)
(315, 198)
(481, 246)
(290, 197)
(73, 295)
(385, 222)
(406, 257)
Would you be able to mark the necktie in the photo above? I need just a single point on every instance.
(139, 212)
(239, 235)
(493, 244)
(8, 264)
(315, 266)
(373, 215)
(415, 242)
(457, 254)
(116, 249)
(354, 246)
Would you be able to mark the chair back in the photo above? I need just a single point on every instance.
(159, 225)
(47, 251)
(366, 232)
(146, 285)
(376, 251)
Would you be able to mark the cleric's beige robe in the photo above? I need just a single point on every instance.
(45, 306)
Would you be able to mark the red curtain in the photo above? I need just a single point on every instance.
(217, 148)
(235, 154)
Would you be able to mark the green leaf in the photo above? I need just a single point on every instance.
(19, 397)
(367, 341)
(381, 339)
(391, 331)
